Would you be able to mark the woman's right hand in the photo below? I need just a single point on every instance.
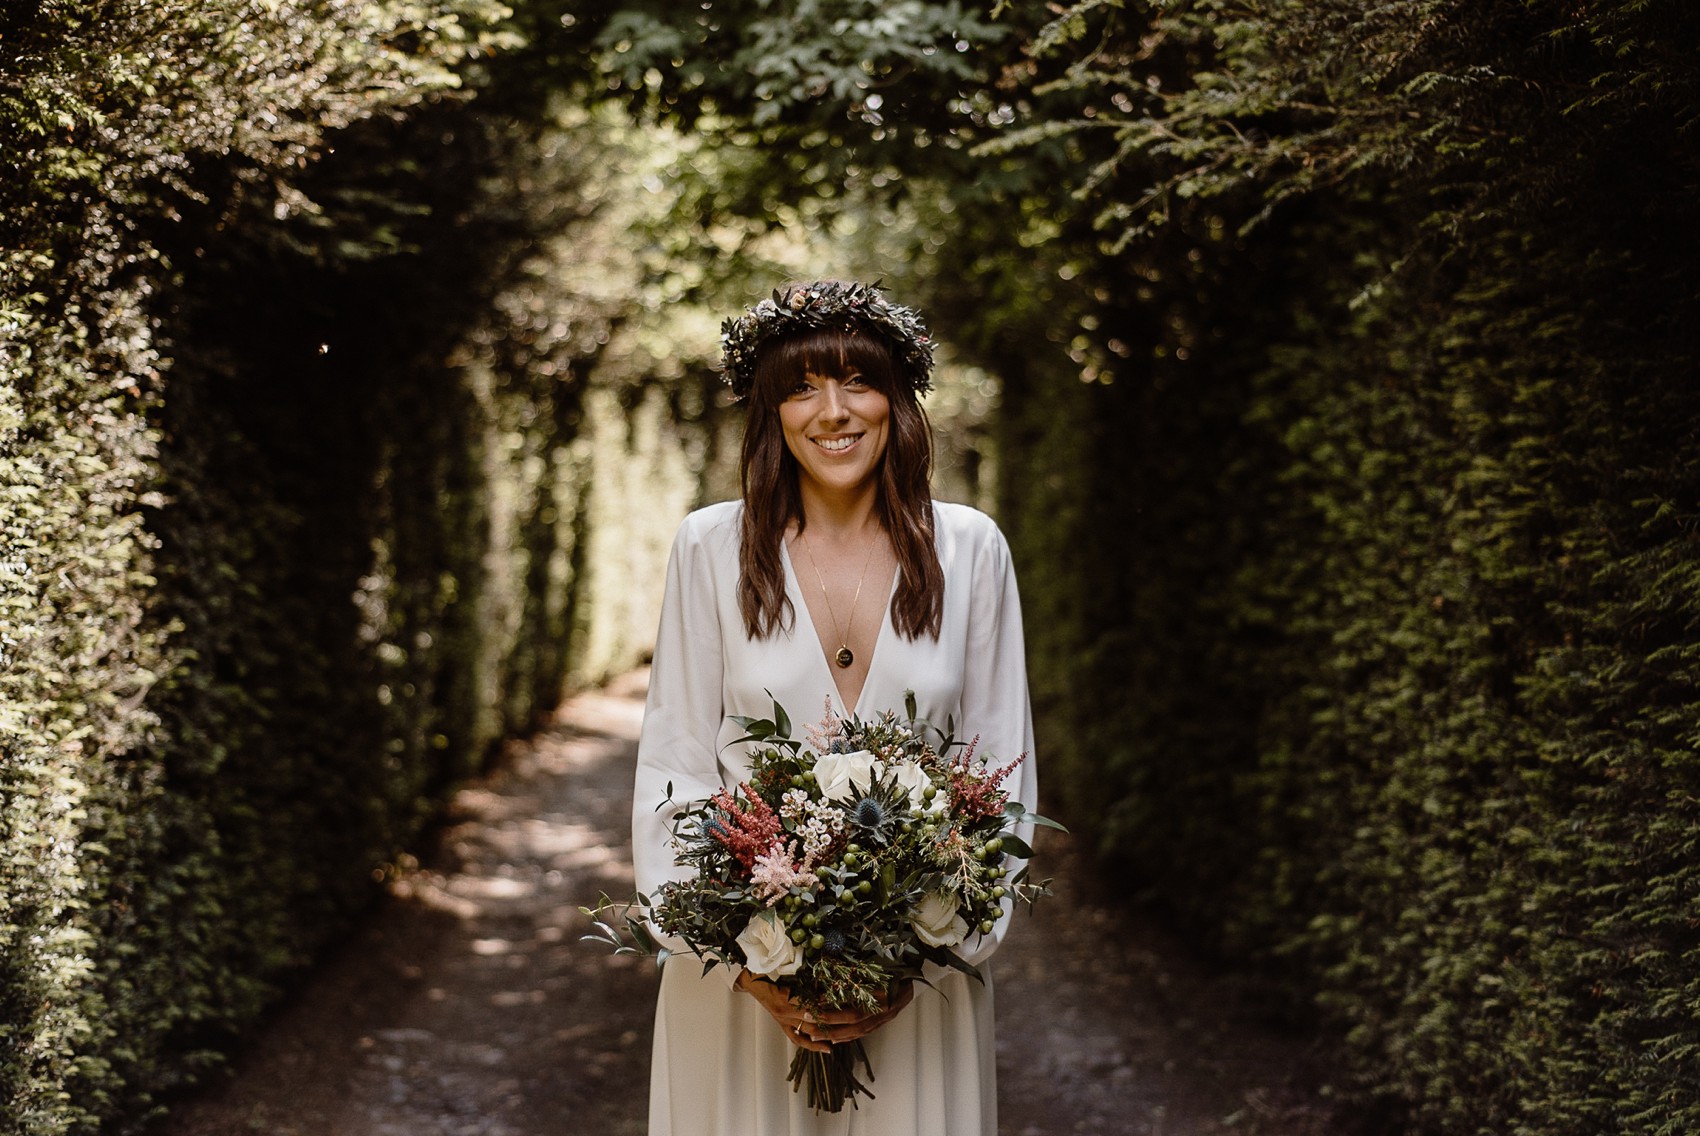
(820, 1030)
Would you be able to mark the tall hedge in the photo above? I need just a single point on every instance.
(295, 524)
(1393, 687)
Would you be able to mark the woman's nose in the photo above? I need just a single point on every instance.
(832, 404)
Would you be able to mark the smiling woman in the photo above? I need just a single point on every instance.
(905, 597)
(835, 428)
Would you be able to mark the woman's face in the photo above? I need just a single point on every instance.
(836, 427)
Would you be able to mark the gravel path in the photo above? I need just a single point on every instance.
(467, 1006)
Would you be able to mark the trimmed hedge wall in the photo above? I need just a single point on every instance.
(1365, 612)
(295, 350)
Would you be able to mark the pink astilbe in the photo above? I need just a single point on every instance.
(748, 830)
(978, 793)
(775, 874)
(828, 730)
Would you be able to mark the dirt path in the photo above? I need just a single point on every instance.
(468, 1007)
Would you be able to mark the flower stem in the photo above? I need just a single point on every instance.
(831, 1077)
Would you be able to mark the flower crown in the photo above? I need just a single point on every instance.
(832, 304)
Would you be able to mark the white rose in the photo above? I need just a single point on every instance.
(768, 949)
(843, 775)
(911, 778)
(937, 921)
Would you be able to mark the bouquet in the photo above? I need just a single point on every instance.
(843, 865)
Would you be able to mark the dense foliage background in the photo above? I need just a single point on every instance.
(296, 460)
(1329, 364)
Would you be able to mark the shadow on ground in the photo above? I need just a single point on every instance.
(468, 1006)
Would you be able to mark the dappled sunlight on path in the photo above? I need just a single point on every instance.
(467, 1006)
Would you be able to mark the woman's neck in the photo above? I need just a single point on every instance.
(840, 514)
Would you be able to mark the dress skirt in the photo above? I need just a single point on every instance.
(720, 1064)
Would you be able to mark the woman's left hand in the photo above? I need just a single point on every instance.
(820, 1030)
(836, 1026)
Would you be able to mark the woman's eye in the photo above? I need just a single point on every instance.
(856, 382)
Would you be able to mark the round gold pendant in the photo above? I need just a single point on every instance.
(844, 658)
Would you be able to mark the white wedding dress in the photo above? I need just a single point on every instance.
(719, 1059)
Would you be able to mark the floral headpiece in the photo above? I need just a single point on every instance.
(832, 304)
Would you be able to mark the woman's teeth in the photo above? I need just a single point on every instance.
(836, 443)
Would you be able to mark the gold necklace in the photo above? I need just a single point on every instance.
(845, 655)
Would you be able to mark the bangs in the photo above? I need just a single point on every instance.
(823, 351)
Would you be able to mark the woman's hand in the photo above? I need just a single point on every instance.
(821, 1030)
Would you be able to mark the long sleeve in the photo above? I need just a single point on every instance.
(676, 751)
(995, 703)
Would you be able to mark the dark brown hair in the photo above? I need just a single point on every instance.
(773, 496)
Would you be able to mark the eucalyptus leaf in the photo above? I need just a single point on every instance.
(1016, 846)
(1020, 813)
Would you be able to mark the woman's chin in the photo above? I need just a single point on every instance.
(843, 481)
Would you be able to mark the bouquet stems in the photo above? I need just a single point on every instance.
(831, 1077)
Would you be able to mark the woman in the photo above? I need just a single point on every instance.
(835, 578)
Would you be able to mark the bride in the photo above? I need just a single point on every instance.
(835, 577)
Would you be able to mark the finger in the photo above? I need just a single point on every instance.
(804, 1041)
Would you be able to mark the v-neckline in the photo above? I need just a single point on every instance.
(799, 596)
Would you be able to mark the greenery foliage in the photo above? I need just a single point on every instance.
(295, 356)
(1397, 631)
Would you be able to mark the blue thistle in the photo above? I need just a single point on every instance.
(876, 814)
(836, 941)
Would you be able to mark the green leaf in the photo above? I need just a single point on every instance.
(1019, 812)
(1016, 846)
(958, 963)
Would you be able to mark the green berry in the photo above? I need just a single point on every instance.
(986, 926)
(817, 941)
(864, 887)
(798, 934)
